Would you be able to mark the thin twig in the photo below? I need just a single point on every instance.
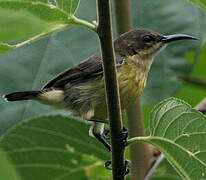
(201, 104)
(154, 167)
(113, 102)
(193, 81)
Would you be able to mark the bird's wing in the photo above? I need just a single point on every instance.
(89, 68)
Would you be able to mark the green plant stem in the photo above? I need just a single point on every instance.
(140, 153)
(76, 21)
(84, 23)
(122, 16)
(112, 93)
(40, 36)
(135, 140)
(193, 81)
(154, 167)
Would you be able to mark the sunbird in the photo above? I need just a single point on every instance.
(81, 89)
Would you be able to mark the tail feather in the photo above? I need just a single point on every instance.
(20, 96)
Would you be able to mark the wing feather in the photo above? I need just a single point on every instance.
(83, 71)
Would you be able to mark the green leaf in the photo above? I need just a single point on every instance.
(174, 118)
(199, 3)
(165, 172)
(20, 20)
(192, 93)
(178, 131)
(165, 177)
(55, 147)
(7, 170)
(42, 1)
(34, 20)
(69, 6)
(198, 70)
(5, 48)
(185, 162)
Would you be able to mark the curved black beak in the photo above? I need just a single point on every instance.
(176, 37)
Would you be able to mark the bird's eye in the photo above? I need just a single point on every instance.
(148, 38)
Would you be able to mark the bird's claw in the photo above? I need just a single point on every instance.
(126, 167)
(123, 136)
(106, 134)
(107, 165)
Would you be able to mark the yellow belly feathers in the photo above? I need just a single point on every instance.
(132, 76)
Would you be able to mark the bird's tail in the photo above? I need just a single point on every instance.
(23, 95)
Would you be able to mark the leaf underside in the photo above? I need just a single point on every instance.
(7, 170)
(199, 3)
(54, 147)
(23, 20)
(179, 132)
(5, 48)
(69, 6)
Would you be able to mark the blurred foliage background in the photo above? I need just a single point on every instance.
(31, 66)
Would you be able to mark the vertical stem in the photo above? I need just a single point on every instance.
(112, 92)
(140, 153)
(123, 16)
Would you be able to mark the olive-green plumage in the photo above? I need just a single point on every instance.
(81, 89)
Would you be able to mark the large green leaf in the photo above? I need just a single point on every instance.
(42, 1)
(199, 3)
(55, 147)
(5, 48)
(190, 92)
(178, 131)
(69, 6)
(7, 170)
(33, 20)
(165, 172)
(187, 164)
(165, 177)
(25, 19)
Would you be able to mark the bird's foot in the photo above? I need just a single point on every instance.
(123, 137)
(105, 137)
(106, 134)
(103, 140)
(124, 134)
(126, 170)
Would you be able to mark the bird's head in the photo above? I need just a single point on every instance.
(145, 43)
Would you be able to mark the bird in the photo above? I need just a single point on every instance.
(81, 90)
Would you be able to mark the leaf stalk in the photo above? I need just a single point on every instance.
(84, 23)
(135, 140)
